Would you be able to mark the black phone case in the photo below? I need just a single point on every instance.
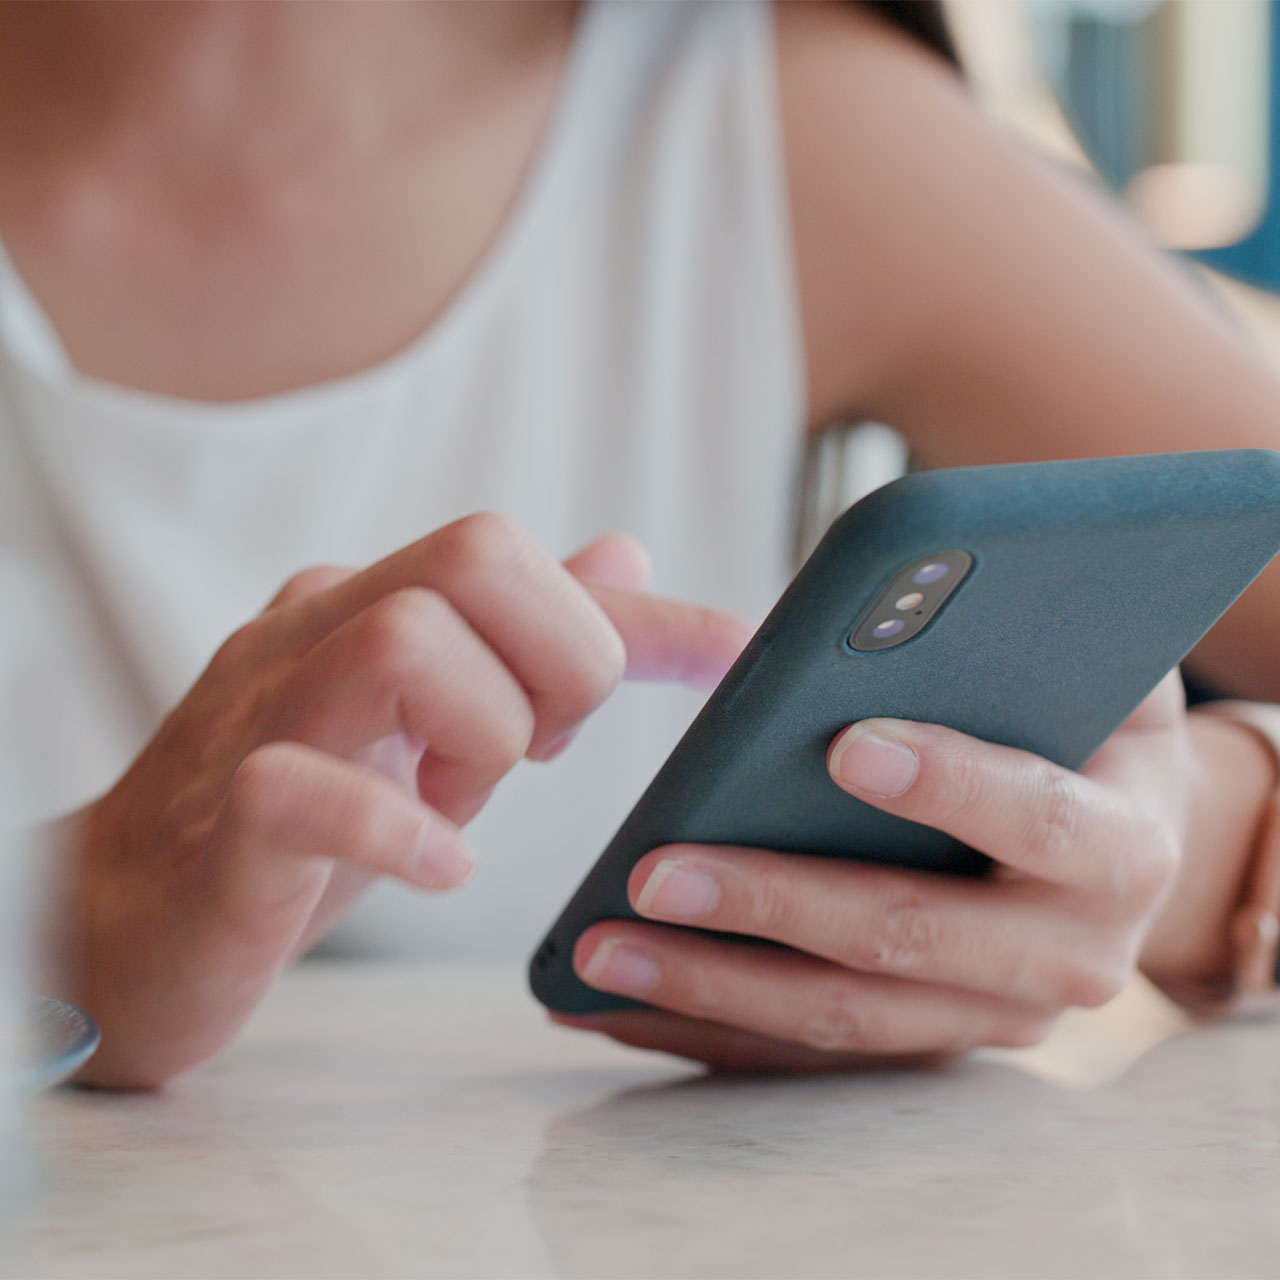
(1090, 580)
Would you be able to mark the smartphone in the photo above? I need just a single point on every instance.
(1032, 605)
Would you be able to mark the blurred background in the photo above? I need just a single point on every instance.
(1174, 104)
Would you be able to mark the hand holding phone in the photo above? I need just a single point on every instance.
(1087, 580)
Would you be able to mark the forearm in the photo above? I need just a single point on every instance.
(1233, 777)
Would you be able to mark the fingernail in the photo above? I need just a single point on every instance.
(677, 891)
(870, 760)
(441, 859)
(621, 967)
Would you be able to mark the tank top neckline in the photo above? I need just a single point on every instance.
(29, 336)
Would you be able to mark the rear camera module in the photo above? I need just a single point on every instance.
(910, 601)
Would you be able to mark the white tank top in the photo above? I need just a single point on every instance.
(626, 357)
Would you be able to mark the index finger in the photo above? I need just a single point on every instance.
(489, 568)
(543, 625)
(671, 640)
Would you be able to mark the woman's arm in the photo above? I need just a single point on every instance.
(991, 306)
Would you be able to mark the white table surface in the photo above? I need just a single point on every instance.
(391, 1121)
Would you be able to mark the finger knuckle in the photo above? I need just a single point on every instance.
(396, 628)
(833, 1020)
(239, 650)
(769, 909)
(1055, 823)
(485, 543)
(257, 792)
(956, 783)
(702, 991)
(904, 936)
(602, 668)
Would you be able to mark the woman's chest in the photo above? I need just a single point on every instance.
(234, 286)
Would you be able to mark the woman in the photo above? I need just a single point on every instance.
(294, 284)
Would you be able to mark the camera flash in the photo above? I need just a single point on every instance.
(909, 601)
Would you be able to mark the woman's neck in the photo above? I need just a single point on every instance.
(236, 87)
(262, 196)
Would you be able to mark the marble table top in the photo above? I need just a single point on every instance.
(380, 1121)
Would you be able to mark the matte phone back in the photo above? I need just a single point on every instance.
(1091, 579)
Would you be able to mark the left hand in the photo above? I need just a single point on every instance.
(883, 964)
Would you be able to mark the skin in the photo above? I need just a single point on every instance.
(373, 153)
(297, 768)
(212, 177)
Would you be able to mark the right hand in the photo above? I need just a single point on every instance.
(346, 733)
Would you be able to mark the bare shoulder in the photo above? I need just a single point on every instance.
(877, 129)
